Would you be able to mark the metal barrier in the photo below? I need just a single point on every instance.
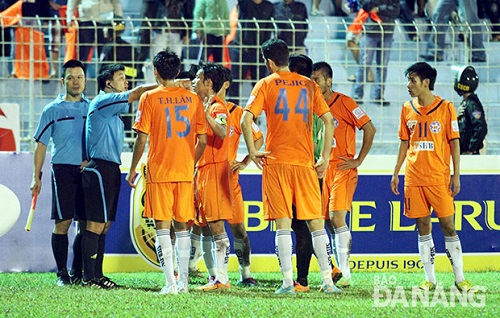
(325, 42)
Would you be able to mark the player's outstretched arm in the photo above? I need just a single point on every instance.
(136, 92)
(139, 146)
(403, 148)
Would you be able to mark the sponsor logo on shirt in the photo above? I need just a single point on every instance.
(435, 127)
(358, 112)
(138, 116)
(424, 146)
(454, 125)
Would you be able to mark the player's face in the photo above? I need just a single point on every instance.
(415, 85)
(199, 84)
(119, 81)
(320, 79)
(74, 81)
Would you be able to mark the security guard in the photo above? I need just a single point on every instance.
(471, 120)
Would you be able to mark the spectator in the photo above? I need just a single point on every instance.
(6, 32)
(211, 24)
(245, 52)
(440, 18)
(337, 5)
(376, 42)
(353, 36)
(406, 17)
(471, 120)
(490, 9)
(55, 34)
(93, 16)
(294, 30)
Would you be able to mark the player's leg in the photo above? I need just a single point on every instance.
(243, 250)
(208, 247)
(303, 253)
(426, 250)
(196, 249)
(183, 248)
(343, 239)
(283, 243)
(77, 264)
(174, 253)
(60, 250)
(164, 252)
(442, 201)
(222, 249)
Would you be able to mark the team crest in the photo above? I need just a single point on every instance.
(435, 127)
(231, 131)
(142, 229)
(335, 122)
(477, 114)
(411, 125)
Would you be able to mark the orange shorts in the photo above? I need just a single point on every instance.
(169, 200)
(419, 200)
(238, 207)
(338, 190)
(284, 185)
(214, 195)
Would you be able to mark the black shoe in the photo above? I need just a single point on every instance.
(63, 278)
(75, 280)
(430, 57)
(107, 283)
(93, 283)
(340, 13)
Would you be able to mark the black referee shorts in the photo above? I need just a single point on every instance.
(101, 186)
(67, 193)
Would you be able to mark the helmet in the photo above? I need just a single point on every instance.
(466, 80)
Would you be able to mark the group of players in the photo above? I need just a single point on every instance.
(193, 138)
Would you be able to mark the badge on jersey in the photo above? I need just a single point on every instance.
(221, 118)
(435, 127)
(335, 122)
(255, 127)
(477, 114)
(454, 125)
(411, 125)
(358, 112)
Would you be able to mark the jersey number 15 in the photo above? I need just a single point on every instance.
(178, 118)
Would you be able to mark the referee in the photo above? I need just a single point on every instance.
(104, 133)
(63, 120)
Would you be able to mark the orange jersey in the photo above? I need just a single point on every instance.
(235, 114)
(289, 100)
(217, 149)
(172, 117)
(429, 130)
(347, 116)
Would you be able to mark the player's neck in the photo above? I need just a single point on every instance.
(167, 83)
(328, 95)
(72, 98)
(426, 99)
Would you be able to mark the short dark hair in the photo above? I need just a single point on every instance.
(424, 71)
(324, 67)
(301, 64)
(214, 72)
(106, 73)
(167, 64)
(276, 50)
(227, 75)
(73, 64)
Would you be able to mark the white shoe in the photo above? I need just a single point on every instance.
(169, 290)
(182, 288)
